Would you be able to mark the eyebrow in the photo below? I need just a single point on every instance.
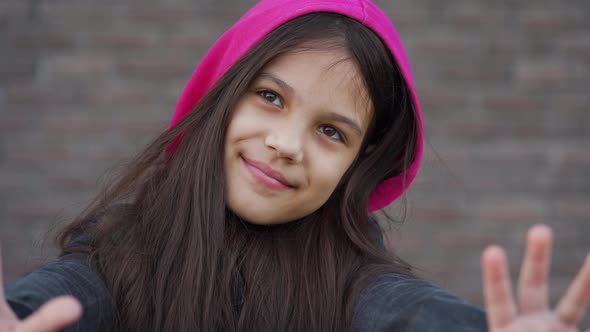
(330, 115)
(341, 118)
(289, 89)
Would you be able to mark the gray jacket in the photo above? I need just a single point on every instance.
(390, 303)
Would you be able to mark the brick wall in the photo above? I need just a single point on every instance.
(503, 85)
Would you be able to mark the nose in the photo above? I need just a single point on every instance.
(287, 143)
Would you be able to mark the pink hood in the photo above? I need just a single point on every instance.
(269, 14)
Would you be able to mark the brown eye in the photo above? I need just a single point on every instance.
(331, 132)
(271, 97)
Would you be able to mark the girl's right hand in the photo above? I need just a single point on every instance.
(54, 315)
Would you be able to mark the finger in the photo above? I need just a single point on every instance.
(532, 283)
(572, 305)
(497, 288)
(54, 315)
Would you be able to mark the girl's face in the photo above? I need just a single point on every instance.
(293, 135)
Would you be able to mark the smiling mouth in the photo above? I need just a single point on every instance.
(263, 177)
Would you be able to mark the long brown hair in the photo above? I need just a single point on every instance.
(176, 259)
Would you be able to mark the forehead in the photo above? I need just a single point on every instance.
(325, 78)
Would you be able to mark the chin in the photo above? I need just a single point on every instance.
(261, 219)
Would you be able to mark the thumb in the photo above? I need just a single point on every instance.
(54, 315)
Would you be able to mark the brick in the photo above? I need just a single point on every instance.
(122, 40)
(72, 125)
(16, 70)
(199, 41)
(13, 124)
(407, 16)
(448, 43)
(543, 71)
(71, 184)
(472, 131)
(552, 18)
(576, 158)
(142, 128)
(162, 68)
(511, 211)
(514, 104)
(40, 38)
(443, 214)
(86, 67)
(27, 95)
(37, 153)
(118, 95)
(441, 104)
(571, 103)
(577, 46)
(455, 240)
(63, 13)
(162, 15)
(469, 15)
(475, 72)
(33, 212)
(406, 243)
(107, 153)
(11, 11)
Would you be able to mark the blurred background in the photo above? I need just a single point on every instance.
(504, 89)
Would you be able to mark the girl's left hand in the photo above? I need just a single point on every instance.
(532, 314)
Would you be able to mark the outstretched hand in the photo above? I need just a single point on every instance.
(52, 316)
(532, 312)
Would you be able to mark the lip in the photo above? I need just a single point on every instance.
(265, 174)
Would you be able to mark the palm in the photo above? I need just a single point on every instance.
(542, 321)
(532, 313)
(52, 316)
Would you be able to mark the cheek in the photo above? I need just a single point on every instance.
(328, 172)
(246, 121)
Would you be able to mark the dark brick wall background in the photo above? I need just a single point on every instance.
(503, 85)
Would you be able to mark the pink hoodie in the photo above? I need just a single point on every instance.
(269, 14)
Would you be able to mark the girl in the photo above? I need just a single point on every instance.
(253, 211)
